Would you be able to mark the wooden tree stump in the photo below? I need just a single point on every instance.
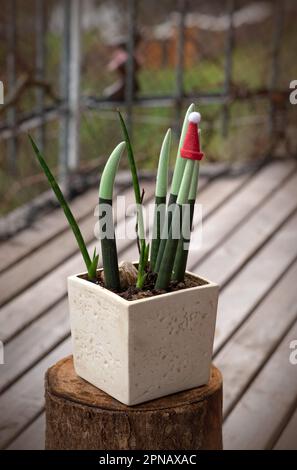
(80, 416)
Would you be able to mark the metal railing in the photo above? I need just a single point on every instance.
(70, 103)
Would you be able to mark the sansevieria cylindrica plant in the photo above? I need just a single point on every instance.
(171, 229)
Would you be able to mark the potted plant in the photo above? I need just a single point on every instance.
(144, 330)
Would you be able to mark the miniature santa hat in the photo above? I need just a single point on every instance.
(191, 145)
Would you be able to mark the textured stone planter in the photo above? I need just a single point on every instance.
(144, 349)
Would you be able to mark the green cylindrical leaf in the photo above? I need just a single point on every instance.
(194, 182)
(159, 217)
(165, 231)
(109, 172)
(183, 193)
(162, 174)
(160, 196)
(135, 180)
(164, 275)
(181, 257)
(180, 162)
(106, 225)
(108, 245)
(167, 262)
(182, 252)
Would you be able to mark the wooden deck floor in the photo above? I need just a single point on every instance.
(249, 248)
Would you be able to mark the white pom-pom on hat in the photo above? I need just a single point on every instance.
(194, 117)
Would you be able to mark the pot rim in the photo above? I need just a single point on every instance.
(96, 287)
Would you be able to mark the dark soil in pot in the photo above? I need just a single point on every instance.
(133, 293)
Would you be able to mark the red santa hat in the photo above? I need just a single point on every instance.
(191, 145)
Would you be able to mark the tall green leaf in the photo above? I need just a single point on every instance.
(135, 179)
(90, 264)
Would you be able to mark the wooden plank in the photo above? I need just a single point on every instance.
(220, 191)
(240, 246)
(52, 224)
(46, 331)
(221, 203)
(30, 345)
(32, 438)
(288, 438)
(272, 310)
(26, 272)
(50, 255)
(39, 263)
(132, 253)
(44, 229)
(34, 342)
(237, 209)
(29, 372)
(211, 199)
(21, 275)
(40, 337)
(255, 341)
(257, 419)
(51, 289)
(249, 193)
(255, 281)
(24, 401)
(22, 310)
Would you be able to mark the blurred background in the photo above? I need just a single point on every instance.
(67, 65)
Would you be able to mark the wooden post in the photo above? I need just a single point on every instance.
(80, 416)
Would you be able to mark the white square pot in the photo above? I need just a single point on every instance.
(143, 349)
